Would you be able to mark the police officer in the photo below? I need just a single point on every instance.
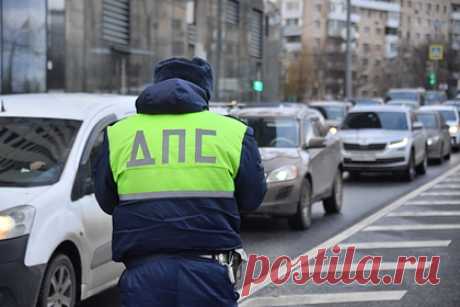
(175, 178)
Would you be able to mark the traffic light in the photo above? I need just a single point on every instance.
(258, 85)
(432, 79)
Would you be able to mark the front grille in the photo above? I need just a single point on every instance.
(359, 147)
(378, 161)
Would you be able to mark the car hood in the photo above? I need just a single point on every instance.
(333, 123)
(432, 132)
(372, 136)
(16, 196)
(273, 158)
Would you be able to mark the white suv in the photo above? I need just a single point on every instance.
(55, 241)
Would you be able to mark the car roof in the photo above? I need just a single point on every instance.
(438, 107)
(63, 105)
(414, 90)
(283, 110)
(380, 108)
(396, 101)
(328, 103)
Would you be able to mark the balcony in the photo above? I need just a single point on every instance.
(455, 16)
(377, 5)
(292, 31)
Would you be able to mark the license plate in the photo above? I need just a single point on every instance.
(364, 158)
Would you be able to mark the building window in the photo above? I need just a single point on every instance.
(318, 8)
(190, 13)
(366, 47)
(232, 12)
(23, 46)
(292, 21)
(115, 22)
(292, 6)
(293, 39)
(256, 33)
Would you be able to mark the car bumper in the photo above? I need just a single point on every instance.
(281, 199)
(379, 165)
(434, 150)
(19, 284)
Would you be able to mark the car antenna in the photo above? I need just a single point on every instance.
(2, 110)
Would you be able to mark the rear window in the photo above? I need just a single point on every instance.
(376, 120)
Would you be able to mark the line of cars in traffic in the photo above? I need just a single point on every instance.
(56, 241)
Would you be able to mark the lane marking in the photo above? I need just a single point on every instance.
(440, 194)
(425, 213)
(433, 202)
(327, 298)
(396, 244)
(345, 234)
(413, 227)
(447, 186)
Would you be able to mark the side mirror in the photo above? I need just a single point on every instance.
(445, 127)
(417, 126)
(316, 142)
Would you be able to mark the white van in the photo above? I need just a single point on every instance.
(55, 241)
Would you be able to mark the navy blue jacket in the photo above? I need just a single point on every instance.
(195, 225)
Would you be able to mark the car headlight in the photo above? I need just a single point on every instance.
(453, 129)
(399, 144)
(432, 140)
(284, 173)
(16, 222)
(333, 130)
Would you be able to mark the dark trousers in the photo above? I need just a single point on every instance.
(177, 281)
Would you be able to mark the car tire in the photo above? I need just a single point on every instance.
(447, 156)
(333, 204)
(440, 159)
(410, 172)
(59, 284)
(422, 167)
(302, 219)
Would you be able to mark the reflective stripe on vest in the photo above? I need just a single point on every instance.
(175, 156)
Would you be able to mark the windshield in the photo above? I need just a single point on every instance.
(376, 120)
(428, 120)
(403, 96)
(331, 112)
(33, 151)
(275, 132)
(448, 115)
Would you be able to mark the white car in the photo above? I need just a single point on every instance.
(383, 139)
(451, 115)
(55, 241)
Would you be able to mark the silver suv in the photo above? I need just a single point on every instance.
(384, 138)
(302, 165)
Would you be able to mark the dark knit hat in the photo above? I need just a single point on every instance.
(197, 71)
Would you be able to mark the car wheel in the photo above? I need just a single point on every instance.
(421, 168)
(59, 286)
(333, 204)
(449, 151)
(302, 219)
(409, 173)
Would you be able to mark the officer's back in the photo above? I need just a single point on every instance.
(175, 177)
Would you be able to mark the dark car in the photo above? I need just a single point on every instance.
(302, 165)
(437, 132)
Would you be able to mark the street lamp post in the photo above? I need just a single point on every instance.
(348, 73)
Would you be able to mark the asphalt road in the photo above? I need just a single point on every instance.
(273, 237)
